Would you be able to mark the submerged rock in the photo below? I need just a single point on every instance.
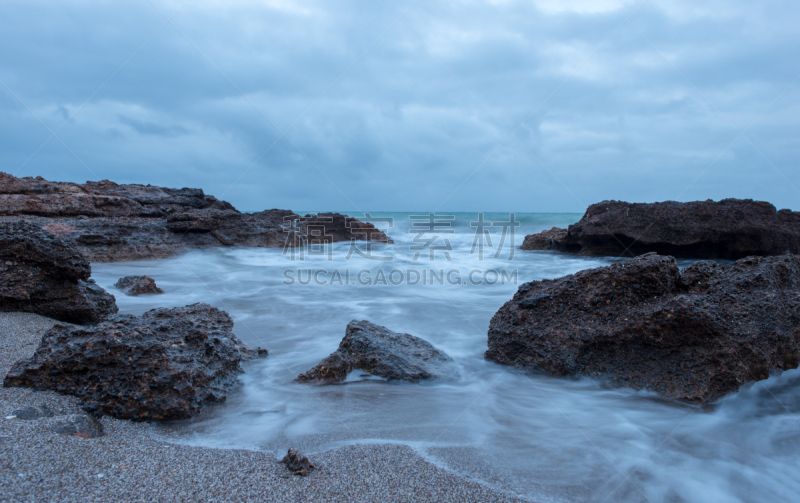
(79, 425)
(693, 335)
(138, 285)
(165, 364)
(109, 221)
(44, 274)
(297, 463)
(381, 352)
(727, 229)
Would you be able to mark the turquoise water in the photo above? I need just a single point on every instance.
(540, 437)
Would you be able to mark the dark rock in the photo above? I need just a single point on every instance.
(297, 463)
(693, 335)
(80, 425)
(727, 229)
(138, 285)
(165, 364)
(44, 274)
(381, 352)
(33, 412)
(109, 222)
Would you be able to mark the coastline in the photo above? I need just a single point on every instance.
(133, 463)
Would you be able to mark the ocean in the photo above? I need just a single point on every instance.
(529, 434)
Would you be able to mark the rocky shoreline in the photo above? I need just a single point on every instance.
(110, 222)
(137, 462)
(729, 229)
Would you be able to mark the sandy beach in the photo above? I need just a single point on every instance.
(132, 462)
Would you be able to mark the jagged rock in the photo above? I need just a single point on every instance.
(297, 463)
(32, 412)
(138, 285)
(727, 229)
(79, 425)
(381, 352)
(165, 364)
(44, 274)
(693, 335)
(109, 222)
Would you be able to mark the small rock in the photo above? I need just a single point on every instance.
(35, 412)
(138, 285)
(298, 463)
(80, 425)
(382, 352)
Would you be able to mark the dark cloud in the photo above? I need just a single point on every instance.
(410, 115)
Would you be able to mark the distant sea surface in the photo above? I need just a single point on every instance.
(544, 438)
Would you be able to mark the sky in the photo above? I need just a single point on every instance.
(497, 105)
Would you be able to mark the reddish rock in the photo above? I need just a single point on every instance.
(727, 229)
(44, 274)
(693, 335)
(109, 222)
(166, 364)
(138, 285)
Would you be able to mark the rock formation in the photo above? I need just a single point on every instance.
(109, 222)
(44, 274)
(138, 285)
(381, 352)
(165, 364)
(693, 335)
(727, 229)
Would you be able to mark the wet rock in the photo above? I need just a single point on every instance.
(79, 425)
(297, 463)
(166, 364)
(44, 274)
(727, 229)
(381, 352)
(693, 335)
(33, 412)
(138, 285)
(109, 221)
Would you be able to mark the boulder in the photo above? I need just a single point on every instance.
(165, 364)
(111, 222)
(381, 352)
(138, 285)
(727, 229)
(44, 274)
(297, 463)
(692, 335)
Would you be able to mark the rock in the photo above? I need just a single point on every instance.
(109, 222)
(692, 335)
(166, 364)
(297, 463)
(727, 229)
(44, 274)
(138, 285)
(79, 425)
(381, 352)
(33, 412)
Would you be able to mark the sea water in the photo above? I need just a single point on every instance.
(524, 433)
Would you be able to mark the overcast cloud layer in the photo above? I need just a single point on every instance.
(408, 106)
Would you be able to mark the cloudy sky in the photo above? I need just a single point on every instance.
(496, 105)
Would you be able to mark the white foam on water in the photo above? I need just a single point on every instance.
(528, 434)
